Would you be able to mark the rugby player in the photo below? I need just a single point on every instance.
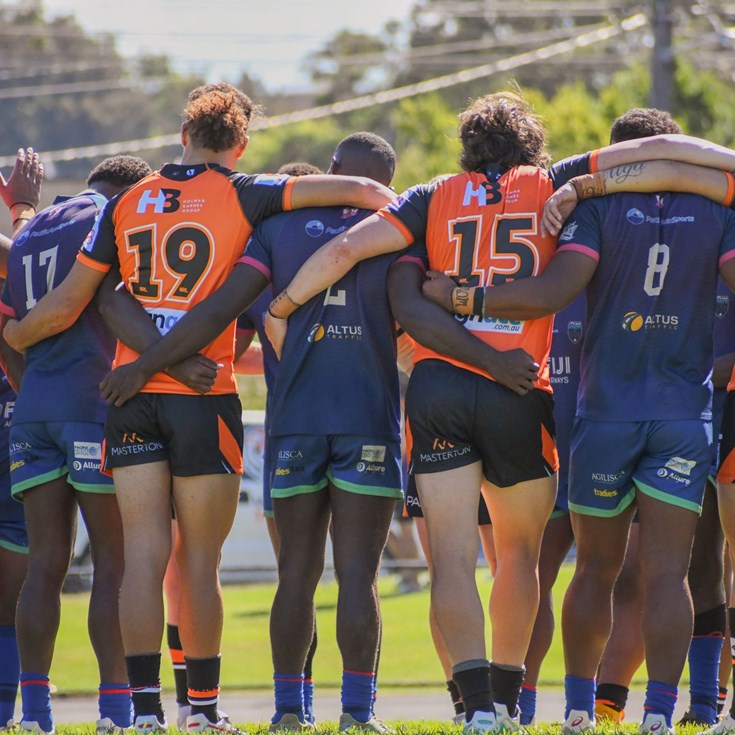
(633, 443)
(177, 235)
(468, 240)
(55, 453)
(23, 187)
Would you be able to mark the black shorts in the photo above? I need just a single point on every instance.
(197, 435)
(413, 508)
(458, 417)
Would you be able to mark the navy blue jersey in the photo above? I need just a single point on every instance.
(566, 347)
(338, 370)
(62, 373)
(7, 403)
(650, 304)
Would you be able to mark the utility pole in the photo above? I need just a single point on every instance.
(662, 59)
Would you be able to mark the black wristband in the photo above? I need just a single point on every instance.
(478, 301)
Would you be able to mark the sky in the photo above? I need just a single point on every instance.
(222, 38)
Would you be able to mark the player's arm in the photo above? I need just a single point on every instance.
(684, 148)
(194, 331)
(722, 370)
(250, 360)
(57, 310)
(644, 177)
(373, 236)
(565, 277)
(433, 327)
(352, 191)
(124, 315)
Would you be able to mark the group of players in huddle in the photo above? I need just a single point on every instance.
(174, 271)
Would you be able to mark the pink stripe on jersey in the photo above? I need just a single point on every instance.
(577, 248)
(727, 256)
(5, 309)
(412, 259)
(264, 269)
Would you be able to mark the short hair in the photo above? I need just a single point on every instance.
(501, 128)
(120, 171)
(299, 168)
(643, 122)
(217, 116)
(371, 144)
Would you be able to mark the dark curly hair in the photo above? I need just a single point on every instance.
(642, 122)
(121, 171)
(217, 116)
(501, 128)
(299, 168)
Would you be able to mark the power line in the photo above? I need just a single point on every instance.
(358, 103)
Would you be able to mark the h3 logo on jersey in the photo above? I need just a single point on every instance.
(165, 201)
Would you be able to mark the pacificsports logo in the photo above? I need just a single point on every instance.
(634, 321)
(568, 232)
(635, 216)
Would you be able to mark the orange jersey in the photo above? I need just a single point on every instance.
(177, 235)
(484, 230)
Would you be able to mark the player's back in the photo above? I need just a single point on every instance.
(62, 373)
(483, 229)
(651, 304)
(337, 374)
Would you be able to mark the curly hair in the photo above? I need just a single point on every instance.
(119, 170)
(217, 116)
(501, 128)
(299, 168)
(643, 122)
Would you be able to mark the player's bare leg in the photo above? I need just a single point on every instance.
(303, 523)
(706, 571)
(587, 609)
(557, 541)
(205, 507)
(450, 500)
(487, 541)
(624, 652)
(50, 512)
(360, 525)
(13, 567)
(667, 532)
(205, 510)
(144, 496)
(104, 528)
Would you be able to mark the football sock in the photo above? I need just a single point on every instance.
(35, 695)
(309, 682)
(660, 700)
(506, 682)
(704, 663)
(611, 697)
(202, 675)
(176, 650)
(457, 702)
(116, 703)
(9, 673)
(580, 695)
(358, 692)
(144, 673)
(473, 681)
(527, 704)
(289, 695)
(731, 621)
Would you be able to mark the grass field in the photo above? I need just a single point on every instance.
(407, 658)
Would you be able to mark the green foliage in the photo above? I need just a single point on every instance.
(312, 141)
(425, 138)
